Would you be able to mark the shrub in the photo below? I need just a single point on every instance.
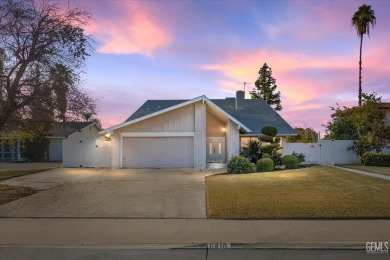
(376, 159)
(252, 151)
(266, 155)
(239, 164)
(269, 130)
(290, 161)
(301, 157)
(265, 165)
(254, 168)
(267, 148)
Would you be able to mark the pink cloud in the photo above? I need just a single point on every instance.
(309, 84)
(135, 29)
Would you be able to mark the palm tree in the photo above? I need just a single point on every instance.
(361, 20)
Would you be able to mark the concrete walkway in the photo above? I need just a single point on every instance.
(380, 176)
(191, 233)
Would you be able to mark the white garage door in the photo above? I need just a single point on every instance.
(158, 152)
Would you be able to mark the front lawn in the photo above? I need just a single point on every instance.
(12, 174)
(373, 169)
(309, 193)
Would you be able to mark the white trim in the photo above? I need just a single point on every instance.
(201, 98)
(157, 134)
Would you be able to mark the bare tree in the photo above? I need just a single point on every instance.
(43, 49)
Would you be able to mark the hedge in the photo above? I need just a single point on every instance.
(376, 159)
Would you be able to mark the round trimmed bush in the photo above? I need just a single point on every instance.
(266, 138)
(265, 165)
(269, 130)
(239, 164)
(266, 155)
(290, 161)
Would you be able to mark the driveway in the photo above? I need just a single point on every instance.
(111, 193)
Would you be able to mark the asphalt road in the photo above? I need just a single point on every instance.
(188, 254)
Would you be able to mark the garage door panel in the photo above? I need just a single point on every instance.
(158, 152)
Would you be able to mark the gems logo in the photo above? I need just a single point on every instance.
(377, 247)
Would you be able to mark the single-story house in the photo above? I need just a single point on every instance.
(198, 133)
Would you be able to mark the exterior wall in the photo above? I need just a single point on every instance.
(200, 135)
(178, 120)
(214, 126)
(55, 149)
(232, 140)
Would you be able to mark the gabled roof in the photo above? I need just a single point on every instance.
(252, 113)
(65, 129)
(153, 108)
(255, 114)
(384, 105)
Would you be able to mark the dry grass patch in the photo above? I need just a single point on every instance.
(12, 174)
(10, 193)
(310, 193)
(373, 169)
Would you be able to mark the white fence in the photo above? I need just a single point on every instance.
(326, 152)
(86, 153)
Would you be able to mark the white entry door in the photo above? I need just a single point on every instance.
(215, 149)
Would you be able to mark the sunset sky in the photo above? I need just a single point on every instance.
(184, 49)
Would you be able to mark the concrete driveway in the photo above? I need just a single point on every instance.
(110, 193)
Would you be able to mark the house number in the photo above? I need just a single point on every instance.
(219, 245)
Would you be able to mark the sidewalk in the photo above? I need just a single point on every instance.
(376, 175)
(191, 233)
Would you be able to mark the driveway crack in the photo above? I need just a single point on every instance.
(187, 221)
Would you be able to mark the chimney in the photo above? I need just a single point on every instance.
(240, 96)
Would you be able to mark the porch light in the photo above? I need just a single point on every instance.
(223, 129)
(108, 134)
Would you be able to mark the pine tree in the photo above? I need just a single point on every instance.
(266, 88)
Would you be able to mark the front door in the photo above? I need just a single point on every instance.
(216, 149)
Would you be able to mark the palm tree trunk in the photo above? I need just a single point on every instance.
(360, 71)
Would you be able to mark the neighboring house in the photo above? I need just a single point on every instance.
(9, 150)
(190, 133)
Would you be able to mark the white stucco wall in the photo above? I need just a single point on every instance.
(200, 135)
(232, 139)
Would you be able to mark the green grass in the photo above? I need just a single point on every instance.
(309, 193)
(12, 174)
(372, 169)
